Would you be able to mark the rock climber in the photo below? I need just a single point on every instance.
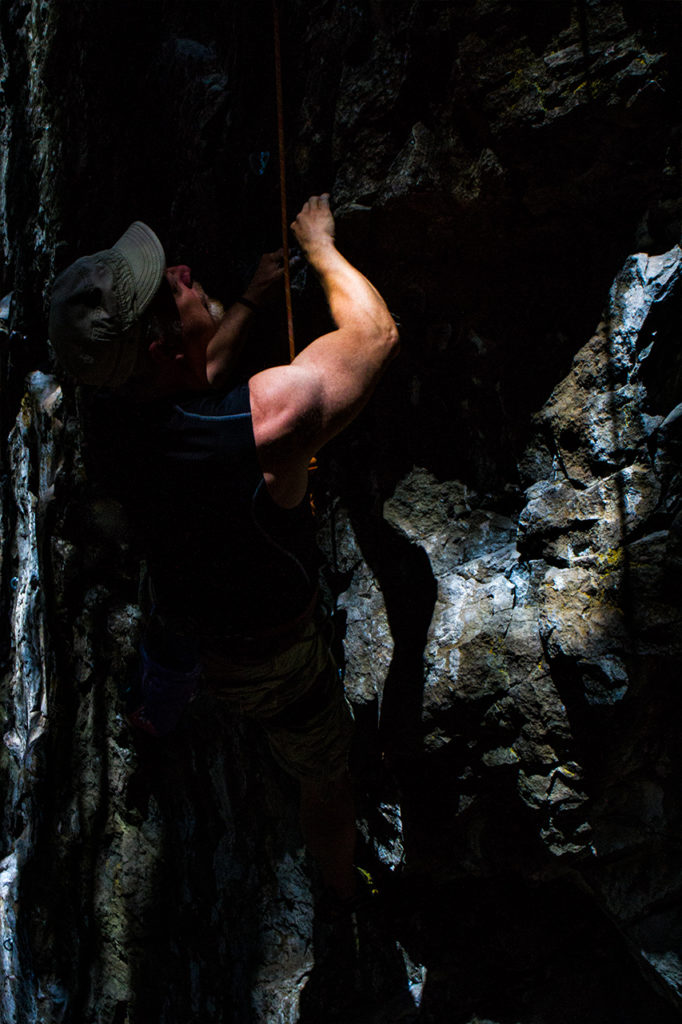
(222, 485)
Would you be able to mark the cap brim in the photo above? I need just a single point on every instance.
(144, 253)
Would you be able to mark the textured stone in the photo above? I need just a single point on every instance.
(502, 525)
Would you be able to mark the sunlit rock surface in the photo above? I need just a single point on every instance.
(501, 526)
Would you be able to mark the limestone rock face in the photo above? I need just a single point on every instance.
(501, 526)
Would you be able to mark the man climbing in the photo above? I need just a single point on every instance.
(222, 484)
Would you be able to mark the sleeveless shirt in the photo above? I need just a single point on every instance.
(225, 560)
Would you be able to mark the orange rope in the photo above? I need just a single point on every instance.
(283, 198)
(282, 178)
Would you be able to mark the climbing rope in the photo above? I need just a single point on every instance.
(282, 177)
(283, 196)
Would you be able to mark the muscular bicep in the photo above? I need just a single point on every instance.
(286, 404)
(284, 409)
(296, 409)
(304, 405)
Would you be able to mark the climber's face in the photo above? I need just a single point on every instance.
(187, 321)
(199, 315)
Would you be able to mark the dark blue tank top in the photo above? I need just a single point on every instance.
(225, 560)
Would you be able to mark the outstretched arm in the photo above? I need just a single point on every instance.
(298, 408)
(227, 343)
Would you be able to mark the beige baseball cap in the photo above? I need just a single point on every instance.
(97, 303)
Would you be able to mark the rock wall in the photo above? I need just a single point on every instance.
(502, 525)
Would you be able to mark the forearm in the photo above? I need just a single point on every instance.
(367, 336)
(351, 297)
(354, 356)
(227, 344)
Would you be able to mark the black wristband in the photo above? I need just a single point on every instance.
(249, 304)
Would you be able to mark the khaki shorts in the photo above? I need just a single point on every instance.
(296, 695)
